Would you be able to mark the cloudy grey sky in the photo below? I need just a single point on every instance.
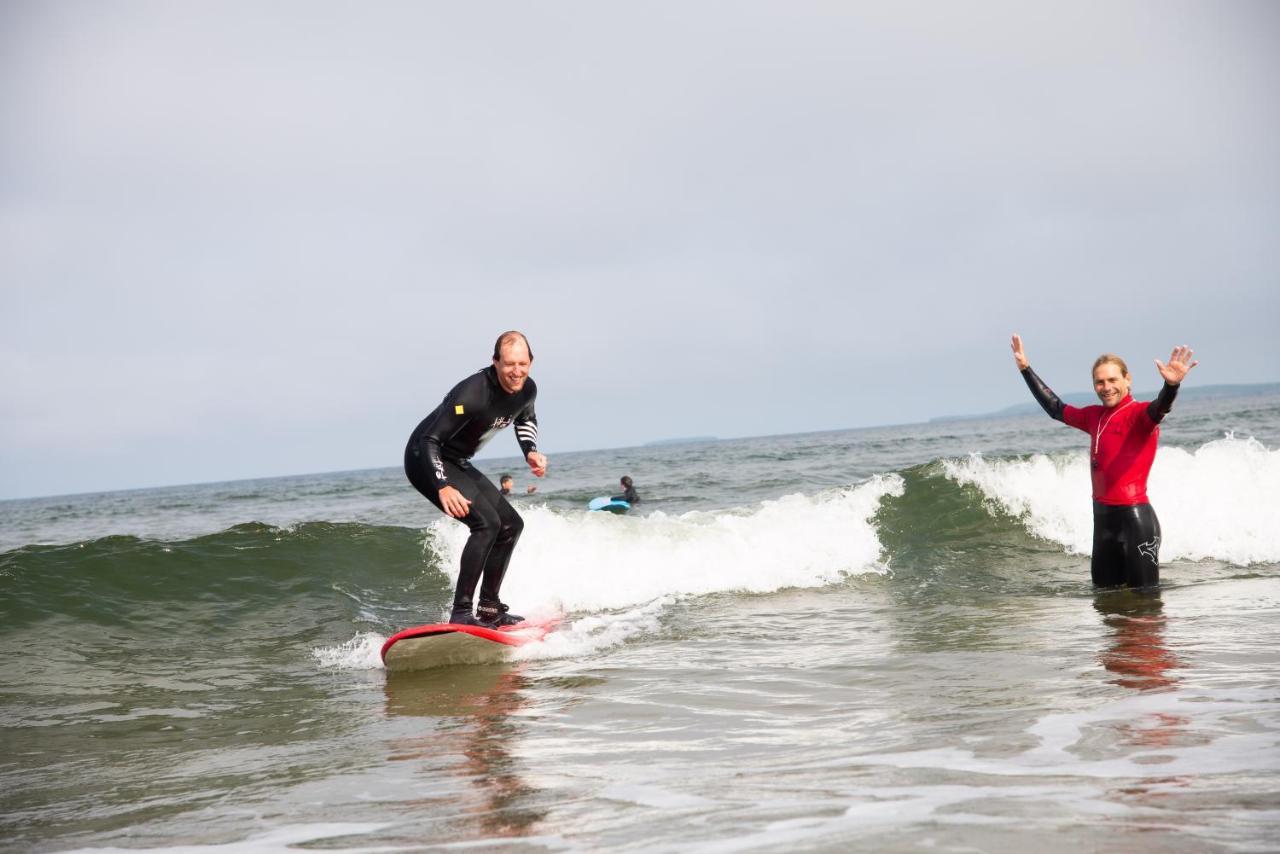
(243, 239)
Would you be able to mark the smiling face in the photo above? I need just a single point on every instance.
(1111, 383)
(512, 365)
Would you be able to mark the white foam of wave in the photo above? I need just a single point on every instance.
(1050, 494)
(597, 561)
(1220, 501)
(615, 575)
(363, 652)
(283, 839)
(586, 635)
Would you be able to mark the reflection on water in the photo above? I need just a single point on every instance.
(468, 736)
(1137, 653)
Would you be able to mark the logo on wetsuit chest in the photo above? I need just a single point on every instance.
(1151, 549)
(500, 423)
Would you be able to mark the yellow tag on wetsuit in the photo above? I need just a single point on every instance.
(457, 410)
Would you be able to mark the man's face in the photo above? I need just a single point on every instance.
(1110, 384)
(512, 366)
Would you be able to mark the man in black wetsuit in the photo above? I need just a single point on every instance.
(437, 462)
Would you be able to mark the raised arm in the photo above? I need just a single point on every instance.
(1019, 356)
(1049, 402)
(1173, 373)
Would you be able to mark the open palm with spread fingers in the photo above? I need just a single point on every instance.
(1019, 356)
(1178, 366)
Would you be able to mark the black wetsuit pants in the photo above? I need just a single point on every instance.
(494, 523)
(1126, 546)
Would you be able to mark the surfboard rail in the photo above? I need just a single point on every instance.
(437, 644)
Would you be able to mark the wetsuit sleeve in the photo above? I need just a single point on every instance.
(1044, 395)
(453, 414)
(527, 430)
(1159, 408)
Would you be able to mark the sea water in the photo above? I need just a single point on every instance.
(864, 640)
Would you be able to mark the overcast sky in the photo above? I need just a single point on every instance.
(244, 239)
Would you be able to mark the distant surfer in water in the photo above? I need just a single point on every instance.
(508, 483)
(1126, 532)
(628, 492)
(437, 462)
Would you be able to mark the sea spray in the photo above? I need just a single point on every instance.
(362, 652)
(1221, 501)
(580, 561)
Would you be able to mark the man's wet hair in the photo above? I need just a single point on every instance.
(1104, 359)
(626, 481)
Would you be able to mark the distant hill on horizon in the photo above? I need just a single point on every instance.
(687, 440)
(1086, 398)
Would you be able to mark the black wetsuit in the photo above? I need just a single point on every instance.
(628, 496)
(1126, 532)
(438, 455)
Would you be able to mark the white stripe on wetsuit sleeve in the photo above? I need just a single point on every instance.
(527, 432)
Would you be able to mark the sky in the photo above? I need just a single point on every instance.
(250, 239)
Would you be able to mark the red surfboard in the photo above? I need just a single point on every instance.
(441, 644)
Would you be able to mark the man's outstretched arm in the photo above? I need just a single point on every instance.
(1044, 395)
(1173, 373)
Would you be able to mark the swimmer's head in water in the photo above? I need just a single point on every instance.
(1111, 380)
(626, 481)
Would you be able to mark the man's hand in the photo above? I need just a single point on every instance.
(537, 463)
(1179, 365)
(1019, 356)
(454, 502)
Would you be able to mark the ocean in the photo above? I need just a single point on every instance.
(867, 640)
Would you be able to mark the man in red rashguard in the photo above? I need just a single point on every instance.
(1123, 435)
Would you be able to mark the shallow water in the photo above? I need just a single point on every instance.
(870, 640)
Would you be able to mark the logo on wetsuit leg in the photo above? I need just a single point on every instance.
(1151, 549)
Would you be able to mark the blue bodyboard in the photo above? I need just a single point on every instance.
(608, 504)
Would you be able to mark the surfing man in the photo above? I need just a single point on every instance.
(1126, 532)
(437, 462)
